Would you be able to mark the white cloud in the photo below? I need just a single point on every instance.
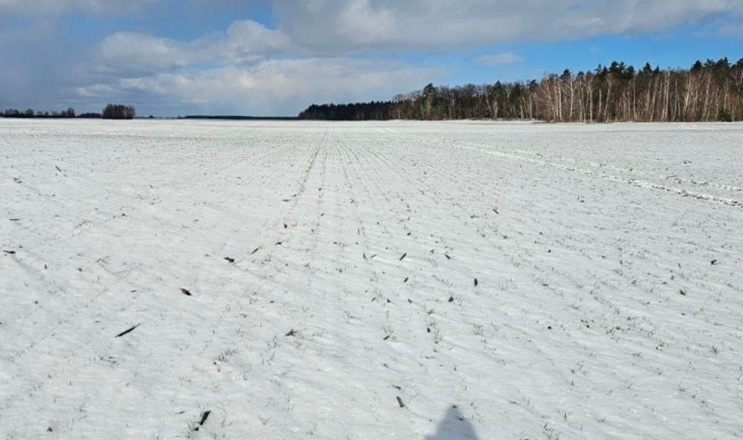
(238, 71)
(333, 25)
(143, 52)
(244, 41)
(501, 59)
(247, 38)
(282, 87)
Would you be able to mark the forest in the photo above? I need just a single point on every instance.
(708, 91)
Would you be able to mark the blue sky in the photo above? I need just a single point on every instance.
(275, 57)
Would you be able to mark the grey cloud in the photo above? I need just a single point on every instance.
(37, 8)
(40, 70)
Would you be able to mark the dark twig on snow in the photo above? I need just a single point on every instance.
(403, 256)
(204, 416)
(126, 332)
(400, 402)
(185, 292)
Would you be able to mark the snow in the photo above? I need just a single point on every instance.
(388, 280)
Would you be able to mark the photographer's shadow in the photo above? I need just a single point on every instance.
(454, 427)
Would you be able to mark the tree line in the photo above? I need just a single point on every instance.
(31, 113)
(709, 91)
(111, 111)
(350, 112)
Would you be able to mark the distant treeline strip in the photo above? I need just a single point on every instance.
(379, 111)
(241, 118)
(30, 113)
(709, 91)
(111, 111)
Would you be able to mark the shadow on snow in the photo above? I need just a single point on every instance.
(454, 427)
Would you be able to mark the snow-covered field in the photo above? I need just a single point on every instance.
(379, 280)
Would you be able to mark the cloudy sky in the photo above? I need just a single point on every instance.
(275, 57)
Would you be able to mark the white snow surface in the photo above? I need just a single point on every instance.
(503, 280)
